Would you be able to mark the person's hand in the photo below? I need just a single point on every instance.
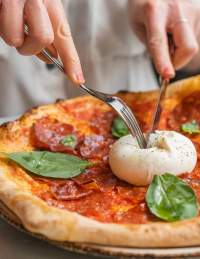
(48, 27)
(154, 20)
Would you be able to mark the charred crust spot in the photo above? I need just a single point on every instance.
(59, 100)
(123, 92)
(5, 125)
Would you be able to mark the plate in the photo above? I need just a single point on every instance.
(101, 250)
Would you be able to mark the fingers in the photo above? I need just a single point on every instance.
(64, 42)
(186, 44)
(157, 42)
(43, 25)
(11, 22)
(40, 29)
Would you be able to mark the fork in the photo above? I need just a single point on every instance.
(115, 102)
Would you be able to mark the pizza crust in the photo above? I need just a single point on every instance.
(62, 225)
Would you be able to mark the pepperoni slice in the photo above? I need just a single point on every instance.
(87, 176)
(101, 176)
(48, 133)
(101, 123)
(69, 190)
(96, 147)
(65, 189)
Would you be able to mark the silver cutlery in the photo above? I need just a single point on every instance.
(156, 117)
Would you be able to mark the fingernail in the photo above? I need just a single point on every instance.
(168, 73)
(79, 78)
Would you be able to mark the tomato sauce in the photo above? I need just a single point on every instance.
(186, 111)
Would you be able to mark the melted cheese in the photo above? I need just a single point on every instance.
(168, 152)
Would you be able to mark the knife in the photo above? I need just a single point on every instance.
(156, 117)
(163, 87)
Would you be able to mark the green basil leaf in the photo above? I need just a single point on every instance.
(69, 141)
(50, 164)
(191, 127)
(119, 128)
(171, 199)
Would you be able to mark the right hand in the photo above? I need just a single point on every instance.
(48, 28)
(153, 20)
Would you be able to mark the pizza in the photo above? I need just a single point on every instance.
(91, 204)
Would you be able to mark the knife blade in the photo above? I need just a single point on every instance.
(156, 117)
(163, 87)
(158, 111)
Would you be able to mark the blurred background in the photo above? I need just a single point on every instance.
(112, 58)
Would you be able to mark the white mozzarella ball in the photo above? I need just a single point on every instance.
(168, 152)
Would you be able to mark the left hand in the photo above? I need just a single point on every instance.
(153, 20)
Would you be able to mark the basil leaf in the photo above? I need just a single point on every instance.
(119, 128)
(171, 199)
(191, 127)
(49, 164)
(69, 141)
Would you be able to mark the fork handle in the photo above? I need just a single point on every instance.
(55, 61)
(47, 55)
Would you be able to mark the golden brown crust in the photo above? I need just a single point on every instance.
(62, 225)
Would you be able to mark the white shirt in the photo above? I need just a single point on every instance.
(112, 59)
